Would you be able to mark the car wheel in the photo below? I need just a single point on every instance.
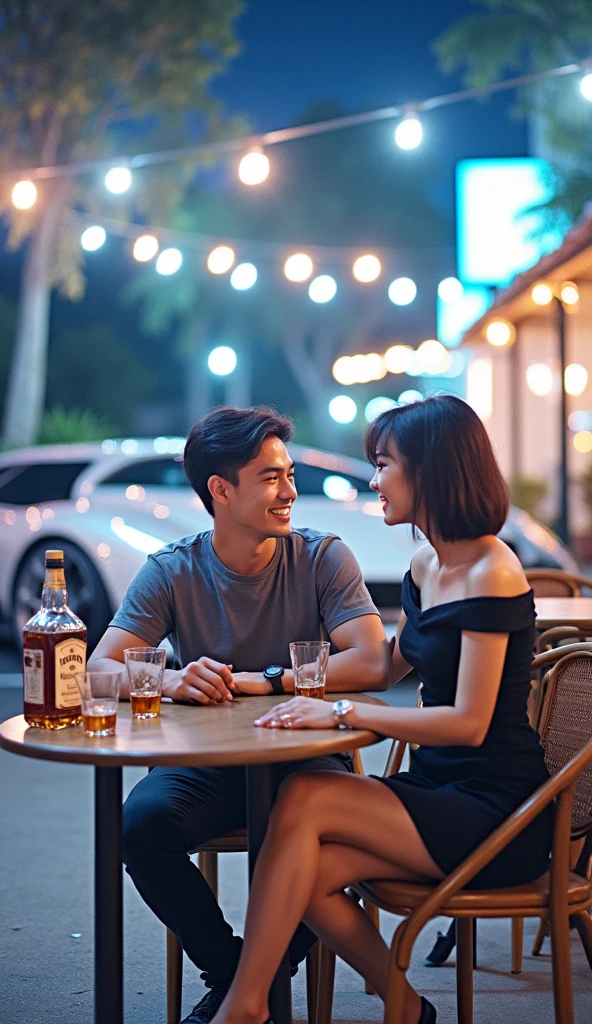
(87, 596)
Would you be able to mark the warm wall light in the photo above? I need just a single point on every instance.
(569, 293)
(298, 267)
(480, 387)
(539, 378)
(500, 333)
(542, 294)
(24, 195)
(575, 379)
(582, 441)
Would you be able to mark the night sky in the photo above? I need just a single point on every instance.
(296, 54)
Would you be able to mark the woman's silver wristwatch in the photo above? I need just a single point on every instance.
(340, 709)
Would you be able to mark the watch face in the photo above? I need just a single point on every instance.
(273, 670)
(342, 706)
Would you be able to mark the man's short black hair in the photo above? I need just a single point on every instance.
(450, 463)
(224, 441)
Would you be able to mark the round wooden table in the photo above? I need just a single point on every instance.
(216, 735)
(563, 611)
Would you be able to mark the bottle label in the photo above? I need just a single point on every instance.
(33, 675)
(70, 658)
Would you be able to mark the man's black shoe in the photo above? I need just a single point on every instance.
(204, 1011)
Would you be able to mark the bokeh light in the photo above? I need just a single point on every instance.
(430, 358)
(378, 405)
(398, 358)
(220, 259)
(366, 268)
(402, 291)
(169, 262)
(339, 488)
(569, 293)
(118, 180)
(581, 419)
(243, 276)
(298, 267)
(222, 360)
(539, 378)
(409, 133)
(582, 441)
(24, 195)
(409, 396)
(145, 247)
(450, 289)
(342, 409)
(322, 289)
(93, 238)
(542, 294)
(575, 379)
(586, 87)
(343, 370)
(500, 333)
(253, 168)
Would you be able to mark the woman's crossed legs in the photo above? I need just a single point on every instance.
(326, 832)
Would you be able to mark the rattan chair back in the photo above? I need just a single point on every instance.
(566, 726)
(553, 583)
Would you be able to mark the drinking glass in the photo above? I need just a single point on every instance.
(99, 696)
(309, 661)
(145, 673)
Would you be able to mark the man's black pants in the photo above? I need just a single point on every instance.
(173, 810)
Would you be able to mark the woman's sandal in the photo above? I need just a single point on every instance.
(428, 1012)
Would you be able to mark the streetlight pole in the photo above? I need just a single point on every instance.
(563, 520)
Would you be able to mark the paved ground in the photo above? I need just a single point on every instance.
(46, 918)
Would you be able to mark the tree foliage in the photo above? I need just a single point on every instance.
(513, 37)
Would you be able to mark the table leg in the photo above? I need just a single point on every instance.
(108, 898)
(259, 801)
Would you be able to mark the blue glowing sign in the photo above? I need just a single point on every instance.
(496, 239)
(454, 318)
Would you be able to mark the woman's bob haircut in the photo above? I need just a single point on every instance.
(458, 488)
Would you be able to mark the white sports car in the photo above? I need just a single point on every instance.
(109, 505)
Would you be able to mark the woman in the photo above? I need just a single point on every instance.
(467, 627)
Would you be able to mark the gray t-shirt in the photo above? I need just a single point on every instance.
(311, 585)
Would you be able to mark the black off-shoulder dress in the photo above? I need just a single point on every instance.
(457, 796)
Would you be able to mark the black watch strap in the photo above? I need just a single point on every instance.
(276, 684)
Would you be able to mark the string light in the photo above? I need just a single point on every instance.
(569, 294)
(243, 277)
(169, 262)
(118, 180)
(586, 87)
(254, 167)
(542, 294)
(93, 238)
(378, 405)
(409, 396)
(298, 267)
(220, 259)
(450, 289)
(366, 268)
(409, 132)
(222, 360)
(342, 409)
(24, 195)
(322, 289)
(402, 291)
(145, 248)
(398, 358)
(500, 333)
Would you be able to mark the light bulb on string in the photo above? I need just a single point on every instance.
(500, 333)
(169, 262)
(254, 167)
(378, 405)
(366, 268)
(586, 87)
(222, 360)
(542, 294)
(24, 195)
(118, 180)
(569, 295)
(450, 289)
(322, 289)
(409, 132)
(93, 238)
(402, 291)
(145, 248)
(343, 409)
(298, 267)
(398, 358)
(243, 277)
(220, 259)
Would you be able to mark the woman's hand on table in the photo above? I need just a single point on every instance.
(299, 713)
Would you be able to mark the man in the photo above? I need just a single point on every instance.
(231, 600)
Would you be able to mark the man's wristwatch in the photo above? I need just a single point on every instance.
(341, 708)
(273, 674)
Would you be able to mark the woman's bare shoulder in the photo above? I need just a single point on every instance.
(420, 563)
(497, 574)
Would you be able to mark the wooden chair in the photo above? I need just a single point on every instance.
(320, 962)
(557, 583)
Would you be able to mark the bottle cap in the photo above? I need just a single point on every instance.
(54, 559)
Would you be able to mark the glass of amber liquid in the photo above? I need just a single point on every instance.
(309, 662)
(99, 696)
(145, 673)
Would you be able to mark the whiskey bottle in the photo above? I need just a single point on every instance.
(54, 650)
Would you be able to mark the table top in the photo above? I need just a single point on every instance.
(214, 735)
(563, 611)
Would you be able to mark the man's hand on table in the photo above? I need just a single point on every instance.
(200, 682)
(252, 683)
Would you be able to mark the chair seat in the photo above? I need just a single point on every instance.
(232, 842)
(528, 900)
